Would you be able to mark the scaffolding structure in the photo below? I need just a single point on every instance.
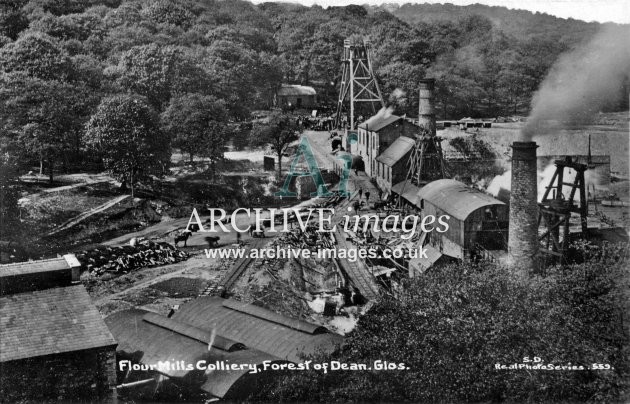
(426, 161)
(558, 203)
(358, 81)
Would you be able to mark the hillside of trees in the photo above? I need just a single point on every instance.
(517, 23)
(71, 70)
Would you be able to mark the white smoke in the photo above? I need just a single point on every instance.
(583, 82)
(500, 182)
(591, 178)
(397, 94)
(382, 113)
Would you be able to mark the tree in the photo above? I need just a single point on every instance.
(450, 327)
(159, 72)
(38, 55)
(232, 68)
(43, 117)
(12, 18)
(169, 12)
(197, 124)
(279, 131)
(9, 210)
(125, 131)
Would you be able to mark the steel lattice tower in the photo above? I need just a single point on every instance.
(358, 82)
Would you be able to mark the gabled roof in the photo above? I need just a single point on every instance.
(149, 338)
(379, 121)
(48, 322)
(256, 327)
(396, 151)
(455, 198)
(294, 89)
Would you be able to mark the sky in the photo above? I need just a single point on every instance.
(587, 10)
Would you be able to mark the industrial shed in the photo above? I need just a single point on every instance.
(54, 345)
(256, 327)
(293, 95)
(236, 333)
(477, 220)
(150, 339)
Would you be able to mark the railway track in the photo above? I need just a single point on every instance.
(235, 272)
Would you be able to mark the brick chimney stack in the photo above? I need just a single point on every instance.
(426, 109)
(523, 230)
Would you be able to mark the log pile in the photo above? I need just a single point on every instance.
(123, 259)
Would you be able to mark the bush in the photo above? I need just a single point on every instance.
(452, 325)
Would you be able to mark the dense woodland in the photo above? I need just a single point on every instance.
(79, 79)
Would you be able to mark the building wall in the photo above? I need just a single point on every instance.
(462, 236)
(79, 375)
(390, 176)
(451, 242)
(371, 144)
(306, 100)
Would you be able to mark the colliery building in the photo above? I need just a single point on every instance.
(478, 224)
(377, 134)
(54, 345)
(391, 165)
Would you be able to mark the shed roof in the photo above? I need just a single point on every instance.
(32, 267)
(259, 328)
(407, 191)
(294, 89)
(396, 151)
(455, 198)
(150, 338)
(48, 322)
(421, 264)
(379, 121)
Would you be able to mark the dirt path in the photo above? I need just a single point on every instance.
(78, 181)
(79, 218)
(320, 144)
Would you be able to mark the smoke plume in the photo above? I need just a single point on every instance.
(583, 81)
(382, 113)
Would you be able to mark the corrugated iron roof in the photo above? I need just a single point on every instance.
(150, 344)
(294, 89)
(396, 151)
(48, 322)
(455, 198)
(261, 331)
(407, 191)
(378, 122)
(269, 315)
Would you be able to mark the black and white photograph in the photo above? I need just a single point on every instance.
(314, 201)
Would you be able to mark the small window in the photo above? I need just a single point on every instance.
(422, 204)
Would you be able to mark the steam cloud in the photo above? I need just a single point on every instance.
(583, 81)
(504, 181)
